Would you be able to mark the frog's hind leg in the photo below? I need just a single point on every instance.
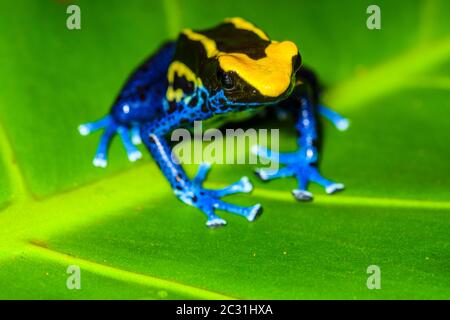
(192, 192)
(309, 78)
(301, 164)
(111, 127)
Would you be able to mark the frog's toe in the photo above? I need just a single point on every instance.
(100, 161)
(283, 158)
(242, 186)
(136, 139)
(136, 135)
(215, 222)
(245, 185)
(84, 130)
(255, 212)
(202, 173)
(89, 127)
(302, 195)
(134, 155)
(329, 186)
(263, 174)
(132, 151)
(341, 123)
(250, 213)
(269, 174)
(334, 187)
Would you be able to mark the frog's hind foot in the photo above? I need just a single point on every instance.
(110, 129)
(296, 165)
(210, 200)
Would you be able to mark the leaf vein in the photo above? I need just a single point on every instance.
(124, 275)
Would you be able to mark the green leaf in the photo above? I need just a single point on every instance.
(133, 239)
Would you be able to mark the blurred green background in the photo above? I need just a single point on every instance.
(133, 239)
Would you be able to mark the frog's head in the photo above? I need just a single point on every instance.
(266, 79)
(239, 65)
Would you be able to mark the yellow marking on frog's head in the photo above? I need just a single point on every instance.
(174, 94)
(240, 23)
(261, 67)
(270, 75)
(181, 70)
(208, 44)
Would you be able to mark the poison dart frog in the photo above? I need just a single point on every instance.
(231, 68)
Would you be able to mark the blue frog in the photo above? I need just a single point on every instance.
(231, 68)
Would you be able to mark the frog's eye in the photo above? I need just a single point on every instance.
(226, 80)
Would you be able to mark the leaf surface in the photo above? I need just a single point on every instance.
(133, 239)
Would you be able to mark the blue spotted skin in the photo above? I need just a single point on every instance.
(143, 113)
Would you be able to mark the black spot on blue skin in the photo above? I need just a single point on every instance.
(193, 102)
(172, 107)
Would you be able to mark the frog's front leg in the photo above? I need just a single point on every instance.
(301, 164)
(192, 192)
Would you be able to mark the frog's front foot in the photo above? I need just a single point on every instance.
(209, 200)
(129, 139)
(296, 164)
